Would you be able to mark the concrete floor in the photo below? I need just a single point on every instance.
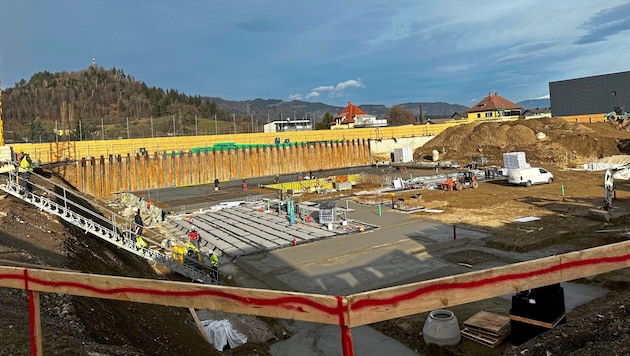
(400, 249)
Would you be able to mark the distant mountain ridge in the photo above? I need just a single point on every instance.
(277, 109)
(535, 103)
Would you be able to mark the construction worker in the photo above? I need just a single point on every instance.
(24, 169)
(138, 229)
(194, 236)
(216, 183)
(244, 185)
(214, 266)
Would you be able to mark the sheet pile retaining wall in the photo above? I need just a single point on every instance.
(103, 176)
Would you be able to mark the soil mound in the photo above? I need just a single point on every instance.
(565, 143)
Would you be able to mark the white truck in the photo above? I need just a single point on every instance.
(529, 176)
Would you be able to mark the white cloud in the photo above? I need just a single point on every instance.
(333, 91)
(296, 97)
(544, 97)
(349, 84)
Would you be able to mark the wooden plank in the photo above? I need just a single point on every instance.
(537, 322)
(481, 338)
(394, 302)
(193, 312)
(504, 333)
(286, 305)
(490, 323)
(36, 323)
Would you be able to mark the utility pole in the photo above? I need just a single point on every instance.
(252, 116)
(234, 119)
(421, 115)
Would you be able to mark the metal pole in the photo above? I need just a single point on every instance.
(127, 127)
(252, 116)
(80, 131)
(174, 131)
(102, 129)
(152, 127)
(195, 125)
(234, 118)
(215, 124)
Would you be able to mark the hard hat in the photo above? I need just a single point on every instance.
(135, 209)
(211, 252)
(192, 227)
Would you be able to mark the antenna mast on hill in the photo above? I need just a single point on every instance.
(93, 61)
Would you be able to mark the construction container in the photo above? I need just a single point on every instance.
(341, 186)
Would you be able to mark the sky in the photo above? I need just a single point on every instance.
(363, 51)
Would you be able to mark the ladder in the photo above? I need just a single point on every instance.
(55, 199)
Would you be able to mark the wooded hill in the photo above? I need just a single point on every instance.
(96, 93)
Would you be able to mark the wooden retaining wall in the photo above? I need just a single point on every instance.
(102, 176)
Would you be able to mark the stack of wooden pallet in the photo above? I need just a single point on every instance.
(487, 328)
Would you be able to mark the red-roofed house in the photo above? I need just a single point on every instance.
(352, 116)
(494, 107)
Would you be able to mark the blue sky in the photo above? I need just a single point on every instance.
(367, 51)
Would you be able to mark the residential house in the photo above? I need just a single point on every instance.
(352, 116)
(288, 125)
(537, 113)
(459, 116)
(494, 107)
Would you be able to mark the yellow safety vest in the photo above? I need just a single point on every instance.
(214, 260)
(25, 165)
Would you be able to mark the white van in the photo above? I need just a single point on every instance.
(529, 176)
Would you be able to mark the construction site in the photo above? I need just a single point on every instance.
(326, 247)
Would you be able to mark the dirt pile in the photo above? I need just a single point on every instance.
(544, 141)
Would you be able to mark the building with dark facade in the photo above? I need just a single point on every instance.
(590, 95)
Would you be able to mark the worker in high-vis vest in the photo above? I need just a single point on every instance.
(24, 169)
(214, 266)
(138, 229)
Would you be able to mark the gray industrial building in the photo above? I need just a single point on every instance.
(590, 95)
